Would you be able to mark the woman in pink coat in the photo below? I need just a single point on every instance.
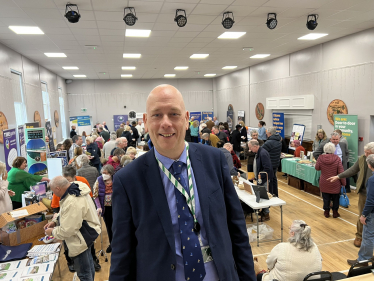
(330, 165)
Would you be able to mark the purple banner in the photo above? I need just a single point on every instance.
(10, 147)
(21, 141)
(118, 119)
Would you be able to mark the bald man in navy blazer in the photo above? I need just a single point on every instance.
(148, 243)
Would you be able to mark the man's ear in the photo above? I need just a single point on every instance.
(145, 121)
(187, 119)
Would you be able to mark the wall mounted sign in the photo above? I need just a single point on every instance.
(336, 107)
(3, 126)
(260, 111)
(37, 118)
(57, 119)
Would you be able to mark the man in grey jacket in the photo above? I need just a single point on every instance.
(226, 151)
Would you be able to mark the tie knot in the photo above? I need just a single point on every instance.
(177, 167)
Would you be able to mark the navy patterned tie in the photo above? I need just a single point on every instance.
(194, 269)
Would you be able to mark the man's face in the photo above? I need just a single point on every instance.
(166, 119)
(139, 122)
(79, 141)
(255, 136)
(268, 134)
(46, 139)
(127, 123)
(253, 148)
(58, 191)
(73, 127)
(104, 123)
(192, 118)
(214, 130)
(335, 140)
(206, 139)
(214, 118)
(368, 152)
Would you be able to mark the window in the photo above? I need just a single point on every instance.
(46, 104)
(19, 98)
(62, 113)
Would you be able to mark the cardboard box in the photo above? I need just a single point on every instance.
(295, 182)
(25, 234)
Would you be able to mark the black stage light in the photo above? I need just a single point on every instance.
(130, 18)
(312, 23)
(272, 21)
(228, 21)
(180, 19)
(72, 14)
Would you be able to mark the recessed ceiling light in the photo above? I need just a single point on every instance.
(128, 67)
(199, 56)
(26, 29)
(55, 55)
(260, 56)
(80, 76)
(169, 75)
(181, 67)
(126, 75)
(137, 33)
(231, 35)
(229, 67)
(312, 36)
(210, 75)
(70, 67)
(132, 56)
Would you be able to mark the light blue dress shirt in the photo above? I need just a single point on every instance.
(210, 268)
(262, 133)
(338, 151)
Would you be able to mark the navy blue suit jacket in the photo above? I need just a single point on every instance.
(263, 164)
(143, 246)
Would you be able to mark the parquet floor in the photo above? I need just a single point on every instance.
(334, 237)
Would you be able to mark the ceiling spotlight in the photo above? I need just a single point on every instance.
(272, 21)
(130, 18)
(180, 18)
(72, 13)
(228, 20)
(311, 24)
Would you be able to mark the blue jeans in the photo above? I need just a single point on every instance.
(367, 244)
(84, 266)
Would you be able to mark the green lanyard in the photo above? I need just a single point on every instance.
(191, 201)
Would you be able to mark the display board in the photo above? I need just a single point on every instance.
(63, 155)
(3, 125)
(118, 120)
(297, 133)
(10, 147)
(21, 141)
(36, 151)
(230, 118)
(278, 123)
(241, 116)
(206, 114)
(49, 133)
(348, 124)
(196, 115)
(82, 124)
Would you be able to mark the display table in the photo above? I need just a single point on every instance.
(301, 171)
(250, 200)
(364, 277)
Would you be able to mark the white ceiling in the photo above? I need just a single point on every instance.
(168, 46)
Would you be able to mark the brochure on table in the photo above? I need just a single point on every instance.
(297, 133)
(36, 151)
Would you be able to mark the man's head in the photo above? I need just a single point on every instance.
(122, 125)
(113, 136)
(215, 130)
(127, 122)
(271, 131)
(73, 127)
(339, 132)
(77, 139)
(369, 149)
(227, 146)
(69, 173)
(166, 120)
(119, 152)
(205, 136)
(121, 142)
(214, 118)
(370, 161)
(253, 146)
(133, 123)
(104, 123)
(335, 138)
(46, 139)
(140, 122)
(100, 129)
(221, 128)
(238, 127)
(59, 185)
(82, 160)
(254, 134)
(203, 126)
(209, 118)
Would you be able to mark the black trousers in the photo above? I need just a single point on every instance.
(108, 219)
(273, 183)
(16, 205)
(327, 198)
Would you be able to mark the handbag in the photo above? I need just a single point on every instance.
(343, 200)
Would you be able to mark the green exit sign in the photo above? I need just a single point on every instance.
(83, 109)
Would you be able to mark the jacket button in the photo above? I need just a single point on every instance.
(172, 267)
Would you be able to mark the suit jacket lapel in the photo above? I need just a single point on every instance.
(156, 188)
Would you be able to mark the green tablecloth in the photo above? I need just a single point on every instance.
(301, 171)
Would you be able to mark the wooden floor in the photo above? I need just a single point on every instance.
(334, 237)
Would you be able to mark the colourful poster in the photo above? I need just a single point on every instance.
(21, 141)
(278, 123)
(49, 133)
(196, 115)
(118, 119)
(83, 121)
(10, 147)
(205, 115)
(36, 151)
(230, 118)
(348, 124)
(297, 133)
(241, 116)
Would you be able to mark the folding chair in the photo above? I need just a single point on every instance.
(357, 269)
(324, 276)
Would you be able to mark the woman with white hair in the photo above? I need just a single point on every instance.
(330, 165)
(5, 202)
(293, 260)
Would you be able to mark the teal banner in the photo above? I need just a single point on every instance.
(348, 124)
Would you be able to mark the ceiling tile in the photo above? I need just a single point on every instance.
(205, 9)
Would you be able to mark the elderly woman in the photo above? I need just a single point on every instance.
(94, 151)
(330, 165)
(20, 180)
(320, 137)
(5, 202)
(103, 199)
(293, 260)
(298, 148)
(85, 170)
(194, 128)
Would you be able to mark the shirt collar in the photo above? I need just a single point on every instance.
(337, 145)
(167, 162)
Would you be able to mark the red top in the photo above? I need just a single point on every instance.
(235, 160)
(297, 151)
(330, 165)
